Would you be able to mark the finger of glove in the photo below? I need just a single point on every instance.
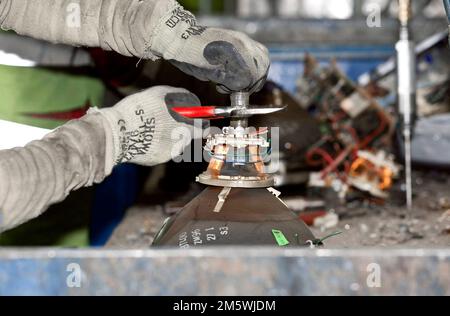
(183, 99)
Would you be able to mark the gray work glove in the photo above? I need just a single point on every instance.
(140, 129)
(144, 130)
(146, 29)
(231, 59)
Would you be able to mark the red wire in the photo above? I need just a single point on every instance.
(324, 154)
(330, 162)
(337, 162)
(376, 133)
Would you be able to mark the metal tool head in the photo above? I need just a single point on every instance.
(236, 155)
(254, 110)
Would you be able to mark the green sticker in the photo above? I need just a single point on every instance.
(280, 238)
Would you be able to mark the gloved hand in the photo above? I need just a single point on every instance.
(144, 130)
(231, 59)
(140, 129)
(145, 29)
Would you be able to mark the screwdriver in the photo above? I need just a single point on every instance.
(216, 112)
(406, 76)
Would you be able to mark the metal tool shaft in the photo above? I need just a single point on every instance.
(406, 73)
(240, 100)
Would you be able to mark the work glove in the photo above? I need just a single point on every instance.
(148, 29)
(141, 129)
(231, 59)
(146, 131)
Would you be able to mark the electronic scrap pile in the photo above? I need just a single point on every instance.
(353, 154)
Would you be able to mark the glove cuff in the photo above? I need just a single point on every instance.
(111, 136)
(173, 30)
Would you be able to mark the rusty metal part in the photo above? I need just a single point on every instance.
(384, 176)
(373, 173)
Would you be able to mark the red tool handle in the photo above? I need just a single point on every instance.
(196, 111)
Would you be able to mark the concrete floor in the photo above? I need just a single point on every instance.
(426, 226)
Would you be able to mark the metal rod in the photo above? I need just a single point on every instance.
(406, 75)
(408, 167)
(240, 100)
